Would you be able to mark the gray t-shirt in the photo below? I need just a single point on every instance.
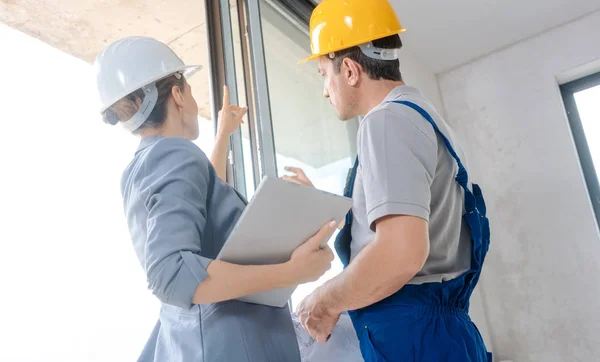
(405, 169)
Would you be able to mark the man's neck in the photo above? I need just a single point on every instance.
(374, 93)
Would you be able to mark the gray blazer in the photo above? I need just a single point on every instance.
(179, 215)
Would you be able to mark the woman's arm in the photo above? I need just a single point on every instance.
(218, 158)
(176, 194)
(230, 118)
(229, 281)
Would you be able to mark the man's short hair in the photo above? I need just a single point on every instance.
(376, 69)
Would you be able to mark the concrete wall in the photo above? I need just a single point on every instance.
(417, 74)
(540, 285)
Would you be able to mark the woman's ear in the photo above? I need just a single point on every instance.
(178, 96)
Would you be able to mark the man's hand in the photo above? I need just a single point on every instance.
(299, 178)
(318, 320)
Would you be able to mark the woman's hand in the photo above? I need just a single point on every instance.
(230, 116)
(313, 258)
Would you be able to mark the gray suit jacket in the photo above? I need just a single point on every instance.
(179, 215)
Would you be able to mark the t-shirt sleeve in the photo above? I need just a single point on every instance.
(398, 158)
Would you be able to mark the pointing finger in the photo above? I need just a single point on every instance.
(225, 96)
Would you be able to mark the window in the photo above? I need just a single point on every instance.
(306, 130)
(582, 104)
(73, 289)
(73, 282)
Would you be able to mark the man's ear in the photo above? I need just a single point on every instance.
(178, 97)
(352, 71)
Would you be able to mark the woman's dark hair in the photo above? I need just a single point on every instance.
(127, 106)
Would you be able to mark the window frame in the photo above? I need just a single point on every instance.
(221, 61)
(301, 9)
(568, 91)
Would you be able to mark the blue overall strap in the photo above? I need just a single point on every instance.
(473, 200)
(349, 188)
(344, 237)
(405, 325)
(474, 203)
(462, 177)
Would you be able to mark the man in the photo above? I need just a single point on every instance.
(416, 238)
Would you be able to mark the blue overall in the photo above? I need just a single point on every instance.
(427, 322)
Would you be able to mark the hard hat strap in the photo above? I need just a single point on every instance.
(142, 114)
(374, 52)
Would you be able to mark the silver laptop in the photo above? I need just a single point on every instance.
(278, 219)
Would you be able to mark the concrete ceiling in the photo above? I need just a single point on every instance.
(445, 34)
(441, 33)
(83, 27)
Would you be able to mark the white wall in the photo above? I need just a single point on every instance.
(540, 282)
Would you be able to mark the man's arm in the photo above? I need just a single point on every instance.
(397, 254)
(398, 163)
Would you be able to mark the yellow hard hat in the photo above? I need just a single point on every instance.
(342, 24)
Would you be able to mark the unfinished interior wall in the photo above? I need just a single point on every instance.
(417, 74)
(540, 284)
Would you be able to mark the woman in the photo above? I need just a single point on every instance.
(180, 213)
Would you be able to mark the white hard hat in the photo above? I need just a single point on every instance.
(133, 63)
